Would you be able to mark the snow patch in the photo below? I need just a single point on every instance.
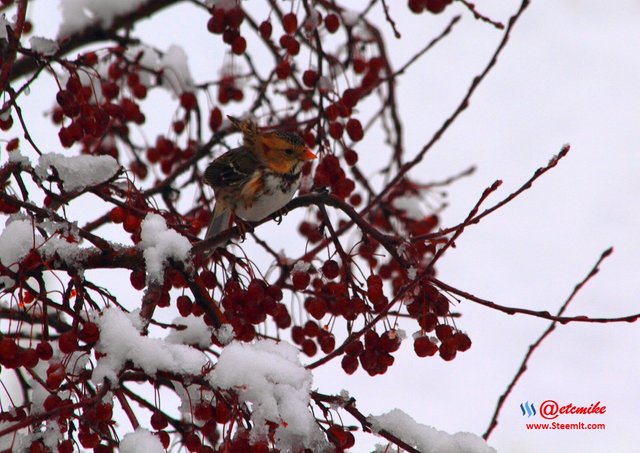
(270, 377)
(80, 14)
(78, 172)
(195, 332)
(426, 438)
(121, 340)
(160, 244)
(43, 46)
(141, 440)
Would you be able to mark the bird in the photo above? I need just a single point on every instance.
(257, 178)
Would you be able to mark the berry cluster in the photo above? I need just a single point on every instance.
(226, 22)
(88, 119)
(374, 355)
(304, 337)
(330, 174)
(246, 308)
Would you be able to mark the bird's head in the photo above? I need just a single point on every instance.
(280, 150)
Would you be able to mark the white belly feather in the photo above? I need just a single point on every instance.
(268, 202)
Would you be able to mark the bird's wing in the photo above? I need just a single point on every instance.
(233, 167)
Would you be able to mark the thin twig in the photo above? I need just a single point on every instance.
(396, 33)
(523, 366)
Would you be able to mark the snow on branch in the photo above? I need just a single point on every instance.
(161, 244)
(426, 438)
(121, 341)
(78, 172)
(269, 375)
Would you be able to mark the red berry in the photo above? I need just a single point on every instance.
(215, 119)
(275, 292)
(217, 21)
(437, 6)
(192, 442)
(351, 157)
(131, 223)
(311, 329)
(29, 358)
(51, 402)
(8, 349)
(310, 77)
(444, 332)
(115, 71)
(117, 215)
(331, 269)
(5, 124)
(137, 280)
(332, 23)
(300, 280)
(159, 421)
(204, 411)
(350, 97)
(139, 91)
(309, 347)
(266, 29)
(290, 43)
(208, 279)
(332, 112)
(316, 306)
(89, 333)
(335, 130)
(239, 45)
(424, 347)
(283, 69)
(448, 349)
(234, 18)
(327, 343)
(389, 341)
(297, 334)
(184, 305)
(188, 100)
(290, 23)
(64, 98)
(354, 348)
(110, 90)
(462, 341)
(349, 364)
(354, 129)
(417, 6)
(68, 342)
(44, 351)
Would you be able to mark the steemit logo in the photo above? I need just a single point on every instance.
(528, 409)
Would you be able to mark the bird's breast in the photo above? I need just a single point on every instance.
(276, 192)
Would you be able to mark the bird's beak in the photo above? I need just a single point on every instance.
(308, 155)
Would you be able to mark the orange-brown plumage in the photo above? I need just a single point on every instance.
(257, 178)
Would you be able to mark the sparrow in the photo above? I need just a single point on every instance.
(256, 179)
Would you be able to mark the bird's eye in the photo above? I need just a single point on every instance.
(289, 152)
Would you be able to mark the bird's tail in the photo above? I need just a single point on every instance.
(220, 221)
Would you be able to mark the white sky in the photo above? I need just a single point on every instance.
(569, 74)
